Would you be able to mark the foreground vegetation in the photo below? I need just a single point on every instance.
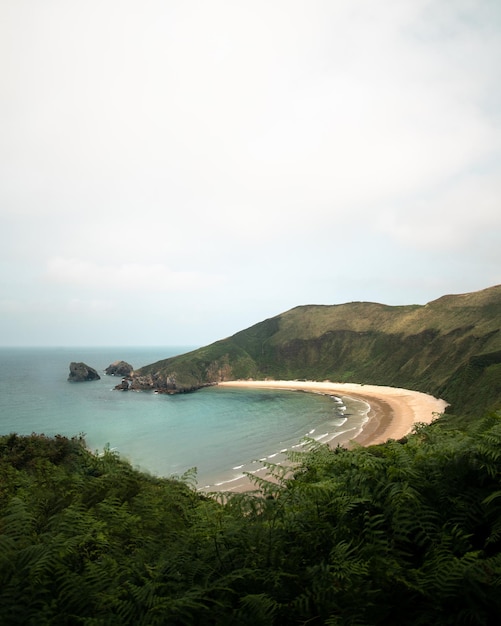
(406, 532)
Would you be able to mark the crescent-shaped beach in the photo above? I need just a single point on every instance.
(392, 414)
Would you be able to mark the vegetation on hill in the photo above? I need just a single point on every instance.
(404, 533)
(450, 347)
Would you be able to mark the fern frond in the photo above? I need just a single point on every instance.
(256, 609)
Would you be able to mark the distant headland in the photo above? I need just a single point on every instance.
(449, 348)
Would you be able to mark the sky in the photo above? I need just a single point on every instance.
(174, 171)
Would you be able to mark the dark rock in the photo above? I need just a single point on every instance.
(80, 372)
(119, 368)
(164, 384)
(124, 385)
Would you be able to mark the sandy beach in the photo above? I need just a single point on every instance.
(392, 414)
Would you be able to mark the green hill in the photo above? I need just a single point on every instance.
(450, 347)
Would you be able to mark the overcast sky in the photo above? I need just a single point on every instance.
(173, 171)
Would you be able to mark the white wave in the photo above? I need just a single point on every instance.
(257, 470)
(340, 433)
(339, 421)
(237, 467)
(321, 436)
(230, 480)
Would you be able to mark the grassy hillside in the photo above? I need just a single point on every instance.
(449, 347)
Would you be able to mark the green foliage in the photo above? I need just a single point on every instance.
(400, 533)
(480, 376)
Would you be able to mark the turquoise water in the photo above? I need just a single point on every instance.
(220, 431)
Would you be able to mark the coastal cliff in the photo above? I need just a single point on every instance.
(158, 382)
(450, 347)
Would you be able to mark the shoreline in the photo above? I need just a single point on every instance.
(392, 412)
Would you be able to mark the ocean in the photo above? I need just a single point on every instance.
(223, 432)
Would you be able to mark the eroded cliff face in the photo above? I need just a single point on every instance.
(192, 371)
(158, 382)
(81, 372)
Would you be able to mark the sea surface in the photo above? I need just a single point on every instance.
(222, 432)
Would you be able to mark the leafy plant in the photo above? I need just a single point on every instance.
(401, 533)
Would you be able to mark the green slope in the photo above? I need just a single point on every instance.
(449, 347)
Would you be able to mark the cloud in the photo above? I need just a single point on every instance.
(126, 277)
(12, 307)
(460, 216)
(90, 307)
(252, 156)
(282, 107)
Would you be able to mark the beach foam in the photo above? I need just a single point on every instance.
(390, 413)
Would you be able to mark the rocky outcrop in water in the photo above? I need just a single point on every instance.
(80, 372)
(124, 385)
(119, 368)
(158, 384)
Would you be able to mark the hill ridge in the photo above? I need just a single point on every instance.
(448, 347)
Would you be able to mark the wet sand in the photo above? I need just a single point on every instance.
(392, 414)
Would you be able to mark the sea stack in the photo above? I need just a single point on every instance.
(80, 372)
(119, 368)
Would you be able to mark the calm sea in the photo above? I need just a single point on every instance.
(222, 432)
